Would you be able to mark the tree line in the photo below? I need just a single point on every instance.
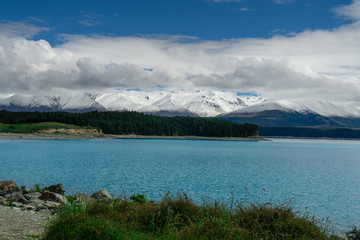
(129, 122)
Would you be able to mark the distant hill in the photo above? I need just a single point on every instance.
(277, 118)
(308, 132)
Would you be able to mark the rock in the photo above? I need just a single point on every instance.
(35, 202)
(36, 205)
(58, 188)
(23, 200)
(6, 185)
(102, 195)
(82, 197)
(45, 211)
(28, 207)
(27, 191)
(54, 197)
(51, 205)
(16, 196)
(41, 207)
(32, 195)
(2, 200)
(17, 204)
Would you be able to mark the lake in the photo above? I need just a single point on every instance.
(321, 177)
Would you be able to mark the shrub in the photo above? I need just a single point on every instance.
(70, 199)
(9, 202)
(140, 198)
(37, 188)
(178, 217)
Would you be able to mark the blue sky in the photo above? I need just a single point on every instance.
(205, 19)
(281, 49)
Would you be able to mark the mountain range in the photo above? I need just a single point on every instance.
(226, 105)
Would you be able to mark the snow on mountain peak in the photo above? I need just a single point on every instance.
(203, 103)
(323, 108)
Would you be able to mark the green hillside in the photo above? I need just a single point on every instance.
(35, 127)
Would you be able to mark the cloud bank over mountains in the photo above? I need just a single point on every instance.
(320, 64)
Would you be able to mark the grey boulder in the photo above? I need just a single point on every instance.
(54, 197)
(58, 188)
(102, 195)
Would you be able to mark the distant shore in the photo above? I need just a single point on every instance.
(111, 136)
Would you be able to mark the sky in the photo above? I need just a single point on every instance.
(280, 49)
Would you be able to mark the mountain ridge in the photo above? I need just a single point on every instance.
(204, 103)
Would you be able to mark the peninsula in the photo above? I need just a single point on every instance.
(105, 125)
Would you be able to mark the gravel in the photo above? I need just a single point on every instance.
(16, 224)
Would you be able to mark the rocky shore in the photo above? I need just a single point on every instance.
(25, 212)
(53, 136)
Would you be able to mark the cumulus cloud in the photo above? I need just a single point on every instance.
(321, 64)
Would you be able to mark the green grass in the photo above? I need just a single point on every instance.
(177, 217)
(37, 188)
(34, 127)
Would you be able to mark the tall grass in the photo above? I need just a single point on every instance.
(178, 217)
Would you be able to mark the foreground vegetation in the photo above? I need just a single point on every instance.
(137, 123)
(35, 127)
(177, 217)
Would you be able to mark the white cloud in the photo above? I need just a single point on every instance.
(227, 1)
(322, 64)
(222, 1)
(20, 29)
(245, 9)
(284, 1)
(350, 11)
(90, 20)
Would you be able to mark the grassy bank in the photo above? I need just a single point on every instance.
(40, 127)
(177, 217)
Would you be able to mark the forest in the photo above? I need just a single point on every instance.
(137, 123)
(309, 132)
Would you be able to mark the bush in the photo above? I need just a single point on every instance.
(140, 198)
(178, 217)
(37, 188)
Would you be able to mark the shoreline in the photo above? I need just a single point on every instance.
(42, 136)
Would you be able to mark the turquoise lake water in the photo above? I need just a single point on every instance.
(321, 177)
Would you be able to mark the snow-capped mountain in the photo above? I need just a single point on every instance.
(199, 103)
(227, 105)
(70, 103)
(322, 108)
(281, 113)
